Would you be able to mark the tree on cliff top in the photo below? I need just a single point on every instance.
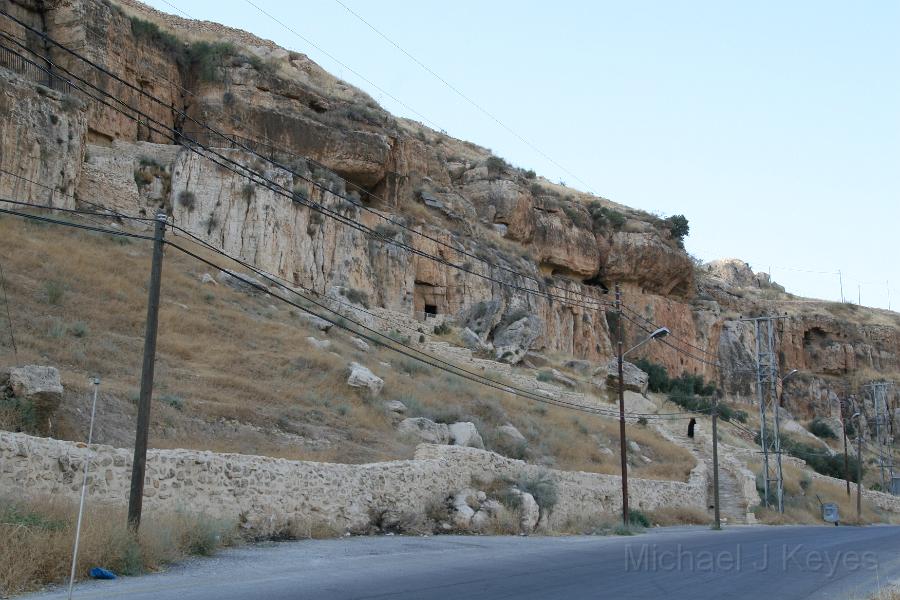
(679, 228)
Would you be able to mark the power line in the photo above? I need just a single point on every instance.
(12, 333)
(464, 96)
(386, 340)
(338, 61)
(258, 179)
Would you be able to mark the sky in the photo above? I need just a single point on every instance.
(773, 126)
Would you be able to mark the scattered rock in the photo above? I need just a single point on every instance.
(583, 367)
(207, 278)
(359, 344)
(462, 512)
(509, 436)
(241, 282)
(425, 429)
(466, 434)
(362, 377)
(395, 406)
(471, 341)
(635, 379)
(633, 446)
(481, 317)
(605, 450)
(314, 321)
(535, 360)
(562, 379)
(500, 228)
(319, 344)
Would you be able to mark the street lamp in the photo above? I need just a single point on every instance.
(659, 333)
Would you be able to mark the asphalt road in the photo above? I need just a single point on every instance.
(762, 563)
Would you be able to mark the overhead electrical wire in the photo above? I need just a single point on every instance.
(259, 179)
(385, 340)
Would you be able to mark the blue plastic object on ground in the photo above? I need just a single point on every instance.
(98, 573)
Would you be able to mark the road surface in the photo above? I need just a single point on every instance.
(691, 563)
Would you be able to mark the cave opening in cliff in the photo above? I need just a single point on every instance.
(431, 310)
(429, 300)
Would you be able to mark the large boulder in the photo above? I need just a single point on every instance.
(466, 434)
(362, 377)
(529, 510)
(38, 385)
(425, 430)
(473, 342)
(513, 340)
(635, 379)
(481, 317)
(462, 511)
(510, 440)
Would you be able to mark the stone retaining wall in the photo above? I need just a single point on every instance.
(271, 490)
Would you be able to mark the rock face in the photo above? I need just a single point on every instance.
(509, 231)
(424, 430)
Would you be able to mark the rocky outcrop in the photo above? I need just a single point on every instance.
(36, 390)
(634, 379)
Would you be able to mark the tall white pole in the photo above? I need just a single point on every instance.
(87, 463)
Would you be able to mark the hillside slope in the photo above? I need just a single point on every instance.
(509, 243)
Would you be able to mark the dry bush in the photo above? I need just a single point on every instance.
(679, 515)
(38, 537)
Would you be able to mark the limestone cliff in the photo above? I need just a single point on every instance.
(496, 221)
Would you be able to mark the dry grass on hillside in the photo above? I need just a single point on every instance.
(38, 537)
(235, 372)
(802, 494)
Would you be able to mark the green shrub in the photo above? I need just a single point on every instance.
(636, 517)
(176, 402)
(658, 377)
(544, 376)
(818, 458)
(356, 296)
(530, 174)
(150, 32)
(442, 329)
(496, 164)
(78, 329)
(142, 178)
(542, 487)
(17, 414)
(54, 290)
(822, 429)
(678, 228)
(187, 199)
(207, 58)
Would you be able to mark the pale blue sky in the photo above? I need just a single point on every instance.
(773, 126)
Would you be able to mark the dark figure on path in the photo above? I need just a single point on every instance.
(691, 427)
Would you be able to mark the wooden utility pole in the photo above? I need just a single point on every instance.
(139, 463)
(846, 457)
(623, 448)
(715, 442)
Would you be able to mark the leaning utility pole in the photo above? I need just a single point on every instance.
(623, 449)
(139, 463)
(767, 396)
